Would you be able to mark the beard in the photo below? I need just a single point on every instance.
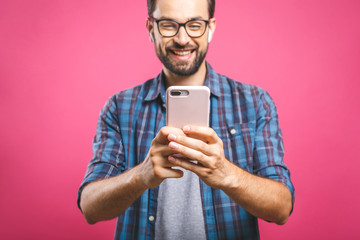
(181, 68)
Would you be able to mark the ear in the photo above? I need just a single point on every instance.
(212, 27)
(150, 28)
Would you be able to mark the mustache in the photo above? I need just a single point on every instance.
(180, 47)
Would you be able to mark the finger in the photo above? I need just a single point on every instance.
(160, 150)
(206, 133)
(165, 163)
(192, 143)
(162, 135)
(190, 153)
(169, 173)
(186, 164)
(162, 160)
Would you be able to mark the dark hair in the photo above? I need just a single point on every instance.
(152, 3)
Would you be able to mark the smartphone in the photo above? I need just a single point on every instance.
(187, 105)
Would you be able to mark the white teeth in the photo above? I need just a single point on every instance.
(182, 53)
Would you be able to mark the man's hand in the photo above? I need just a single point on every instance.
(212, 167)
(110, 197)
(262, 197)
(156, 166)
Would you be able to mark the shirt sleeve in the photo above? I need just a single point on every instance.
(108, 151)
(269, 147)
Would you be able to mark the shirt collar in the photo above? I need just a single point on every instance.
(212, 80)
(157, 88)
(158, 84)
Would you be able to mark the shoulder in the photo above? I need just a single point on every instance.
(124, 99)
(137, 92)
(248, 100)
(247, 92)
(130, 95)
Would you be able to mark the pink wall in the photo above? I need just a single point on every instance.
(61, 60)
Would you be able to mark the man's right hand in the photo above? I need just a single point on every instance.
(107, 198)
(156, 166)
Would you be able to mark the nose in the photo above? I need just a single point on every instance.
(182, 38)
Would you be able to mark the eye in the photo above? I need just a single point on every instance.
(194, 25)
(167, 25)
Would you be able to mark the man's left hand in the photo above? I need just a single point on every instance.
(212, 167)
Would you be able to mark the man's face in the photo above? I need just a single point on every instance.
(181, 54)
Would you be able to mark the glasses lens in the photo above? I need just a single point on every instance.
(168, 28)
(195, 28)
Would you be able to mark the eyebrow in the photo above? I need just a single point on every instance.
(193, 18)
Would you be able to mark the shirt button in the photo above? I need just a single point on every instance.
(232, 131)
(151, 218)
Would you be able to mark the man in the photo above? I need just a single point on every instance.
(238, 174)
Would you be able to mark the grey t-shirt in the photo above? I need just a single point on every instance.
(180, 212)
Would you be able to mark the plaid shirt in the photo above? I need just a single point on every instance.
(243, 116)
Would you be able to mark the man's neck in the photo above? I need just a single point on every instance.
(196, 79)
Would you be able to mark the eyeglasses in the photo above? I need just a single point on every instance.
(169, 27)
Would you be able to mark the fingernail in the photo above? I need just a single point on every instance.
(171, 159)
(186, 128)
(173, 145)
(172, 137)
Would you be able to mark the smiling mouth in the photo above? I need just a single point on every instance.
(182, 52)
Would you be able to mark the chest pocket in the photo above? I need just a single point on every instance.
(238, 140)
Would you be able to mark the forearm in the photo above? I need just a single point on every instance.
(108, 198)
(264, 198)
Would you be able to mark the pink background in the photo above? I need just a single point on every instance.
(61, 60)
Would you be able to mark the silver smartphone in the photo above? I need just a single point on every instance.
(187, 105)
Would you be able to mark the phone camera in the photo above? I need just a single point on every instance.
(175, 93)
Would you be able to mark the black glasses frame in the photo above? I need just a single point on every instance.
(179, 25)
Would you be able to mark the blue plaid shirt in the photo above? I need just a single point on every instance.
(243, 116)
